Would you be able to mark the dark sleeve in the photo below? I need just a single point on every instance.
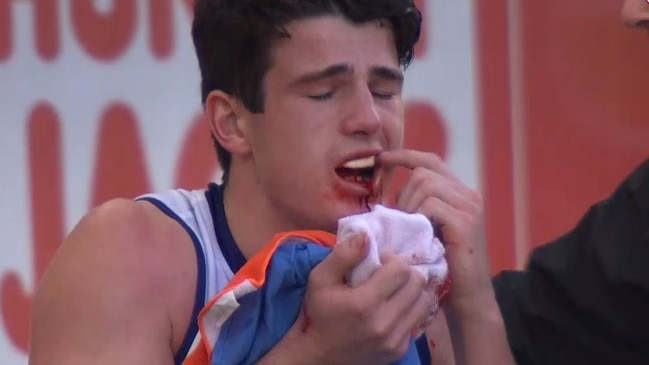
(584, 298)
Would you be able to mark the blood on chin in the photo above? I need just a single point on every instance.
(356, 203)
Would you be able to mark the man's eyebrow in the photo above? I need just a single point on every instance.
(329, 72)
(389, 73)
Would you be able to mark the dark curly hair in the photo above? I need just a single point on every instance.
(233, 39)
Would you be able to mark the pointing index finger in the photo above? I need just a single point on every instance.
(412, 159)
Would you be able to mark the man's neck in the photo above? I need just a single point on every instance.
(249, 214)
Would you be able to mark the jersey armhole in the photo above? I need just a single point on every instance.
(199, 300)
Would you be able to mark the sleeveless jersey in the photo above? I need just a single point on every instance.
(201, 214)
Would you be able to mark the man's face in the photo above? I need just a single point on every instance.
(332, 95)
(635, 13)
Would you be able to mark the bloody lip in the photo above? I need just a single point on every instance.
(364, 178)
(366, 190)
(358, 176)
(354, 188)
(357, 179)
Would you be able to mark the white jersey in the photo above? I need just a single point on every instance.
(194, 211)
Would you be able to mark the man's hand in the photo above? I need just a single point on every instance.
(476, 326)
(368, 324)
(455, 210)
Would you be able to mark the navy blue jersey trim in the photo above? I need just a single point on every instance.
(231, 252)
(423, 350)
(200, 281)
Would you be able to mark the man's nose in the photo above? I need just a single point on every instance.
(635, 13)
(362, 117)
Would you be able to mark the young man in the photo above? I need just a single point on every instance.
(583, 298)
(299, 94)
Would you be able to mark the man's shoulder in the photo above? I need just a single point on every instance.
(128, 236)
(123, 266)
(127, 247)
(138, 224)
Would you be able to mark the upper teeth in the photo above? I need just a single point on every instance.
(361, 163)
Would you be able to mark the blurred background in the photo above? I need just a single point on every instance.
(540, 105)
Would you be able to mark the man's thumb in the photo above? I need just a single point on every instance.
(342, 259)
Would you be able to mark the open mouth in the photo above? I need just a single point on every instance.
(359, 171)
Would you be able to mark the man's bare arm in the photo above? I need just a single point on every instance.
(110, 295)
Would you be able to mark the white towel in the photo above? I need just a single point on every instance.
(409, 236)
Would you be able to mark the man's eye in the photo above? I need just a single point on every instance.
(320, 97)
(383, 95)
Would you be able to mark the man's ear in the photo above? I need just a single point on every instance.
(224, 114)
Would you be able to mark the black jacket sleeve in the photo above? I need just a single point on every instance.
(584, 298)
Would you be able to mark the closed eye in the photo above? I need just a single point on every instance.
(383, 95)
(321, 97)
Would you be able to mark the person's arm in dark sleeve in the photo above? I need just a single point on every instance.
(584, 298)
